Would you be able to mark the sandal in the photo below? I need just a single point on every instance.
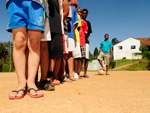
(17, 97)
(72, 78)
(56, 82)
(35, 95)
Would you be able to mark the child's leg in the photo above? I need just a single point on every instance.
(19, 46)
(34, 37)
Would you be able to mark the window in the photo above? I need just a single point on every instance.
(120, 47)
(133, 47)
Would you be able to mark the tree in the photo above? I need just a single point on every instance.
(3, 51)
(91, 55)
(115, 41)
(96, 52)
(145, 53)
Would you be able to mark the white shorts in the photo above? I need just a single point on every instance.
(65, 43)
(71, 46)
(87, 51)
(46, 36)
(77, 51)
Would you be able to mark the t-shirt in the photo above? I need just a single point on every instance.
(82, 32)
(76, 32)
(73, 21)
(106, 45)
(54, 19)
(89, 31)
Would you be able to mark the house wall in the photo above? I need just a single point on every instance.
(94, 65)
(126, 51)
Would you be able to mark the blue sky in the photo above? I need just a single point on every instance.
(118, 18)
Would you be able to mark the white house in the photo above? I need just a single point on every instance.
(127, 49)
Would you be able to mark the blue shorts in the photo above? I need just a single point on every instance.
(25, 13)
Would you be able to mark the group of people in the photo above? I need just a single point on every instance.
(53, 34)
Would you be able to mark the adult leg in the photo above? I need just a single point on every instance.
(19, 57)
(34, 37)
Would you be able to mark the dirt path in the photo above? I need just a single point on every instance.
(119, 92)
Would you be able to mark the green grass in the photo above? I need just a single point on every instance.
(137, 67)
(126, 61)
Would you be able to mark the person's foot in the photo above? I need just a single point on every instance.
(86, 76)
(72, 78)
(47, 85)
(17, 94)
(76, 76)
(33, 91)
(56, 82)
(107, 73)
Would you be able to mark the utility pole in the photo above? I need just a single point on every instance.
(10, 52)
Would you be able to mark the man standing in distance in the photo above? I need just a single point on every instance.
(89, 31)
(105, 52)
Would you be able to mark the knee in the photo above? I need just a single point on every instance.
(20, 43)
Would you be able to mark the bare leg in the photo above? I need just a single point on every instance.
(70, 66)
(100, 62)
(75, 65)
(34, 37)
(19, 46)
(44, 60)
(107, 67)
(57, 67)
(79, 67)
(85, 66)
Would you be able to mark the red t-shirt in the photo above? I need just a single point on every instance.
(83, 30)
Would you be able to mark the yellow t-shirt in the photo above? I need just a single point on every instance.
(76, 32)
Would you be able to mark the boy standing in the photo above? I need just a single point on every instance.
(105, 52)
(89, 31)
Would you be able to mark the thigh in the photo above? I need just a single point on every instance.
(100, 56)
(106, 59)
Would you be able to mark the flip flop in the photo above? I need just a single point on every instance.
(18, 97)
(56, 82)
(72, 78)
(36, 95)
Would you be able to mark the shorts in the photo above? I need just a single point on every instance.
(25, 13)
(71, 46)
(105, 56)
(46, 36)
(77, 51)
(65, 43)
(83, 51)
(87, 51)
(55, 46)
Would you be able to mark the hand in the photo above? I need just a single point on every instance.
(110, 57)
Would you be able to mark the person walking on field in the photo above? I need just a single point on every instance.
(105, 52)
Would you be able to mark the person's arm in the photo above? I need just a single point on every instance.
(111, 53)
(65, 9)
(100, 50)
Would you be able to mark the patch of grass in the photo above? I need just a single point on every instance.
(138, 66)
(127, 61)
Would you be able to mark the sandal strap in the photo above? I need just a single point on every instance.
(17, 91)
(33, 89)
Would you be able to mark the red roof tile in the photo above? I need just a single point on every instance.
(144, 41)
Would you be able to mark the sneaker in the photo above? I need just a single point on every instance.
(47, 84)
(76, 76)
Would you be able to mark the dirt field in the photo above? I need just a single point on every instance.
(119, 92)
